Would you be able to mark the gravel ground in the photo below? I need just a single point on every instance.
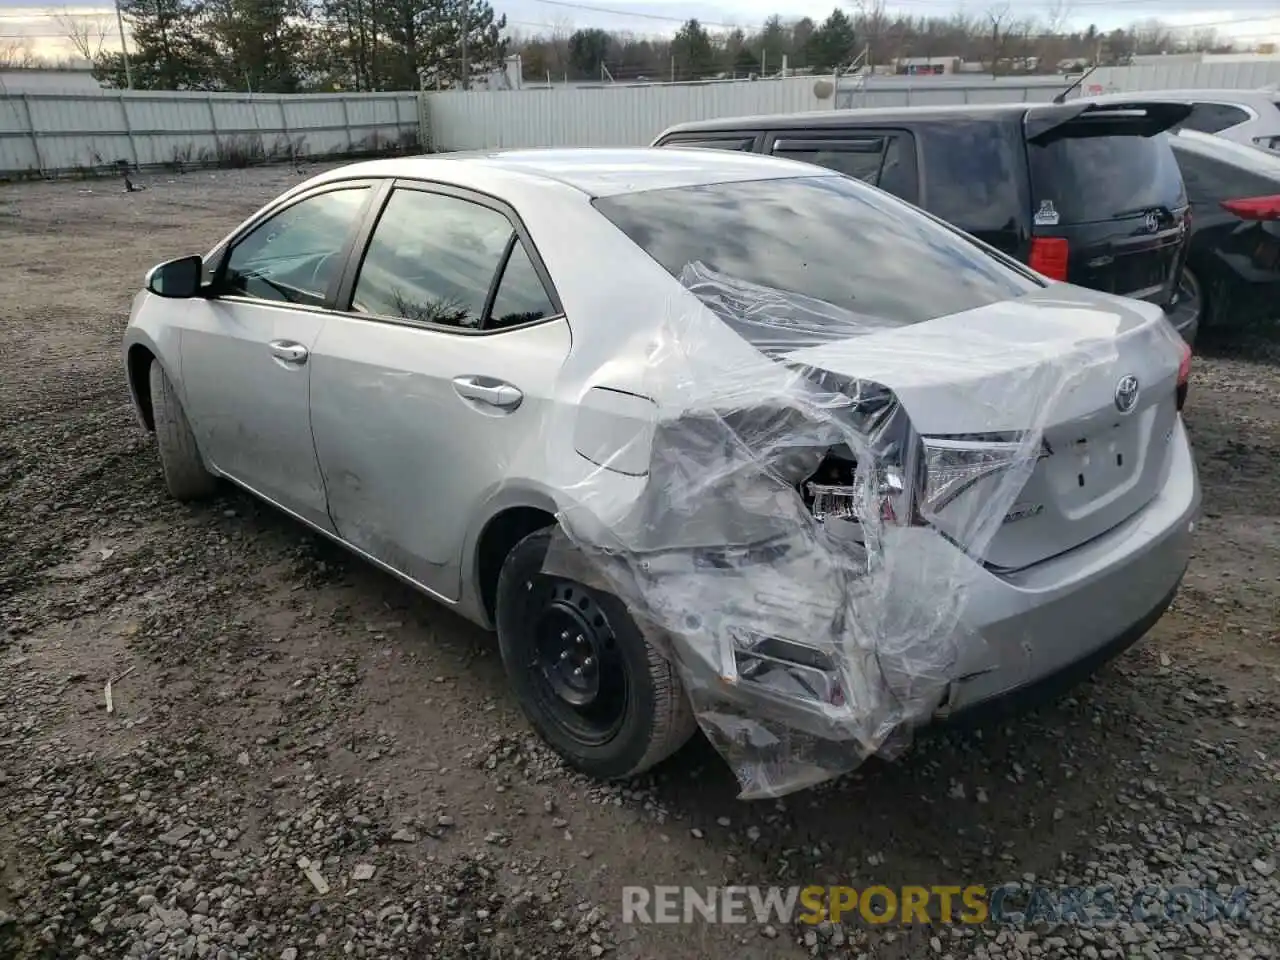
(305, 759)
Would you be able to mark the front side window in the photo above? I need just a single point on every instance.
(433, 259)
(828, 238)
(294, 256)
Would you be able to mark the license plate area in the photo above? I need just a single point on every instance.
(1098, 466)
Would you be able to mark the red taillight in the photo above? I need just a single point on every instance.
(1184, 376)
(1254, 208)
(1049, 256)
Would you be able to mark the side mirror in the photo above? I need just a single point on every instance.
(177, 279)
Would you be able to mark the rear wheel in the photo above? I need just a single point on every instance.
(591, 685)
(184, 472)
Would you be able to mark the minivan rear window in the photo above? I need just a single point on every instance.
(829, 238)
(1090, 179)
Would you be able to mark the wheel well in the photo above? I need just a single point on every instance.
(502, 533)
(140, 360)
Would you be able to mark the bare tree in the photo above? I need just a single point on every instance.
(16, 53)
(873, 23)
(1056, 15)
(999, 20)
(88, 34)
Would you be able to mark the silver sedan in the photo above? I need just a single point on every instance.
(707, 438)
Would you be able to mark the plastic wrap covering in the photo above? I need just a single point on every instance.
(800, 522)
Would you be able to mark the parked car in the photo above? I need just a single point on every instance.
(1081, 192)
(1233, 267)
(1250, 117)
(437, 361)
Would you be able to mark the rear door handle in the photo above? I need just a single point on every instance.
(486, 390)
(289, 352)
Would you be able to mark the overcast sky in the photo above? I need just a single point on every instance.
(1247, 20)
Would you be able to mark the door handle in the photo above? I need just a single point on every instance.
(486, 390)
(289, 352)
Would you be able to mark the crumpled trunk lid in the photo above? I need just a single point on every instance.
(1094, 376)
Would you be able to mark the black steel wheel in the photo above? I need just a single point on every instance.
(578, 673)
(591, 685)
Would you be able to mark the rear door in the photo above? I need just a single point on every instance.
(435, 379)
(1109, 210)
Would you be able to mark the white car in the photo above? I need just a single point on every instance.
(1250, 117)
(699, 433)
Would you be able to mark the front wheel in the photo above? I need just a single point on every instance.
(184, 472)
(591, 685)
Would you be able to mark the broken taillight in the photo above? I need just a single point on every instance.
(1254, 208)
(1049, 255)
(1184, 376)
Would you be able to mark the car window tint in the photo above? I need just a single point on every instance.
(521, 297)
(853, 161)
(891, 166)
(974, 175)
(898, 172)
(1091, 179)
(295, 255)
(1213, 117)
(829, 238)
(432, 259)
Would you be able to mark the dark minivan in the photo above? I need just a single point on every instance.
(1082, 192)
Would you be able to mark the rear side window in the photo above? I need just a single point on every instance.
(974, 175)
(1093, 178)
(713, 143)
(885, 160)
(829, 238)
(434, 259)
(857, 158)
(1213, 117)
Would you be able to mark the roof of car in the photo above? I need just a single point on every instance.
(595, 171)
(1237, 154)
(835, 118)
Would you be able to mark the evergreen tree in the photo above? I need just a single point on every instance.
(170, 48)
(695, 58)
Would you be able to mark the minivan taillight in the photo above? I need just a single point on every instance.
(1049, 256)
(1254, 208)
(1184, 376)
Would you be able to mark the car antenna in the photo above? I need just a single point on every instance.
(1062, 97)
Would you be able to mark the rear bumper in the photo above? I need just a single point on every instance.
(1020, 631)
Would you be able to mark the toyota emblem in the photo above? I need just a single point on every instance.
(1127, 393)
(1153, 222)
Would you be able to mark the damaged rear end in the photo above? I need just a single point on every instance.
(841, 469)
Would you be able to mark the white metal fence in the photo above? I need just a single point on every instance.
(60, 133)
(626, 115)
(607, 116)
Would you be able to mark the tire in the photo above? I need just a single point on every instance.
(1190, 286)
(184, 472)
(653, 715)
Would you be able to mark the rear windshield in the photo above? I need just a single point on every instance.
(830, 238)
(1087, 179)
